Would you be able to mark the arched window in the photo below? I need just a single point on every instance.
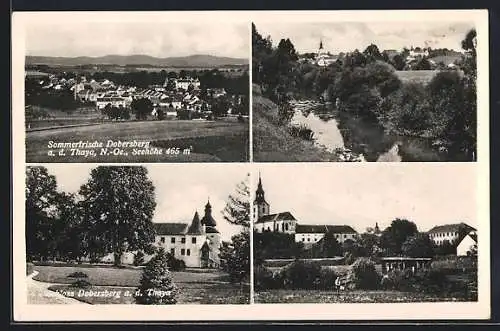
(286, 226)
(283, 227)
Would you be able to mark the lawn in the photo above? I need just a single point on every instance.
(416, 76)
(195, 287)
(357, 296)
(208, 141)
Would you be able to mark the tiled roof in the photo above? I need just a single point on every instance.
(452, 228)
(170, 228)
(305, 228)
(277, 217)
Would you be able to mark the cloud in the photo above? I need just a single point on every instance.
(160, 39)
(360, 196)
(347, 36)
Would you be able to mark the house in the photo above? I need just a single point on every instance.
(310, 234)
(184, 83)
(451, 233)
(113, 101)
(285, 222)
(197, 244)
(467, 243)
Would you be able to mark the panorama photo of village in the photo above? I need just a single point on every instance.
(136, 92)
(137, 234)
(365, 235)
(364, 91)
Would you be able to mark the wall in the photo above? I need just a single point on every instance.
(465, 245)
(193, 260)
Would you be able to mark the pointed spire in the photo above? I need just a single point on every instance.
(195, 227)
(208, 205)
(321, 44)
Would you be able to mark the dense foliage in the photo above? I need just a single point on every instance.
(365, 84)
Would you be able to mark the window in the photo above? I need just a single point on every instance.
(183, 240)
(162, 240)
(172, 251)
(193, 241)
(308, 239)
(286, 226)
(183, 251)
(303, 239)
(188, 252)
(172, 240)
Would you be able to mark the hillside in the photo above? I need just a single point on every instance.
(199, 60)
(272, 142)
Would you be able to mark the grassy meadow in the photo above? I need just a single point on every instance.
(194, 286)
(209, 141)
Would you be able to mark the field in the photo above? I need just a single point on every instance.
(208, 141)
(272, 142)
(358, 296)
(194, 286)
(416, 76)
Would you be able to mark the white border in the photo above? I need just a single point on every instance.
(288, 312)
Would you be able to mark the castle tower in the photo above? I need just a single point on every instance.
(207, 219)
(260, 205)
(211, 249)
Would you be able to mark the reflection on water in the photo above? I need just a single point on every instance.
(364, 137)
(326, 132)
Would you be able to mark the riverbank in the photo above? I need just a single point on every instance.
(273, 143)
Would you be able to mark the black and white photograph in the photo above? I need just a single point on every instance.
(150, 235)
(354, 91)
(102, 89)
(366, 234)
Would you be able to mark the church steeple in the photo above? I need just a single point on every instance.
(320, 44)
(259, 193)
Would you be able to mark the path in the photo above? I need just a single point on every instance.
(39, 293)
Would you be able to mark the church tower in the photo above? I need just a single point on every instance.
(260, 205)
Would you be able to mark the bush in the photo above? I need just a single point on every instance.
(263, 279)
(327, 279)
(156, 286)
(364, 275)
(399, 280)
(138, 258)
(175, 264)
(301, 131)
(302, 275)
(78, 274)
(81, 283)
(29, 268)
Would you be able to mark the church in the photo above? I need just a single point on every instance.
(196, 243)
(324, 58)
(285, 222)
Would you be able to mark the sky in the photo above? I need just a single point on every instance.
(426, 194)
(348, 36)
(181, 189)
(155, 38)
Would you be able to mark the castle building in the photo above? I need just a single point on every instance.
(197, 244)
(285, 222)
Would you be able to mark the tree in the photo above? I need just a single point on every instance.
(156, 286)
(422, 64)
(372, 53)
(41, 197)
(142, 108)
(398, 62)
(446, 248)
(119, 203)
(369, 244)
(237, 209)
(236, 257)
(396, 234)
(419, 245)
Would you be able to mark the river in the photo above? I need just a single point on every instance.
(366, 139)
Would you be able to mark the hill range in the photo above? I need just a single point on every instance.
(198, 60)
